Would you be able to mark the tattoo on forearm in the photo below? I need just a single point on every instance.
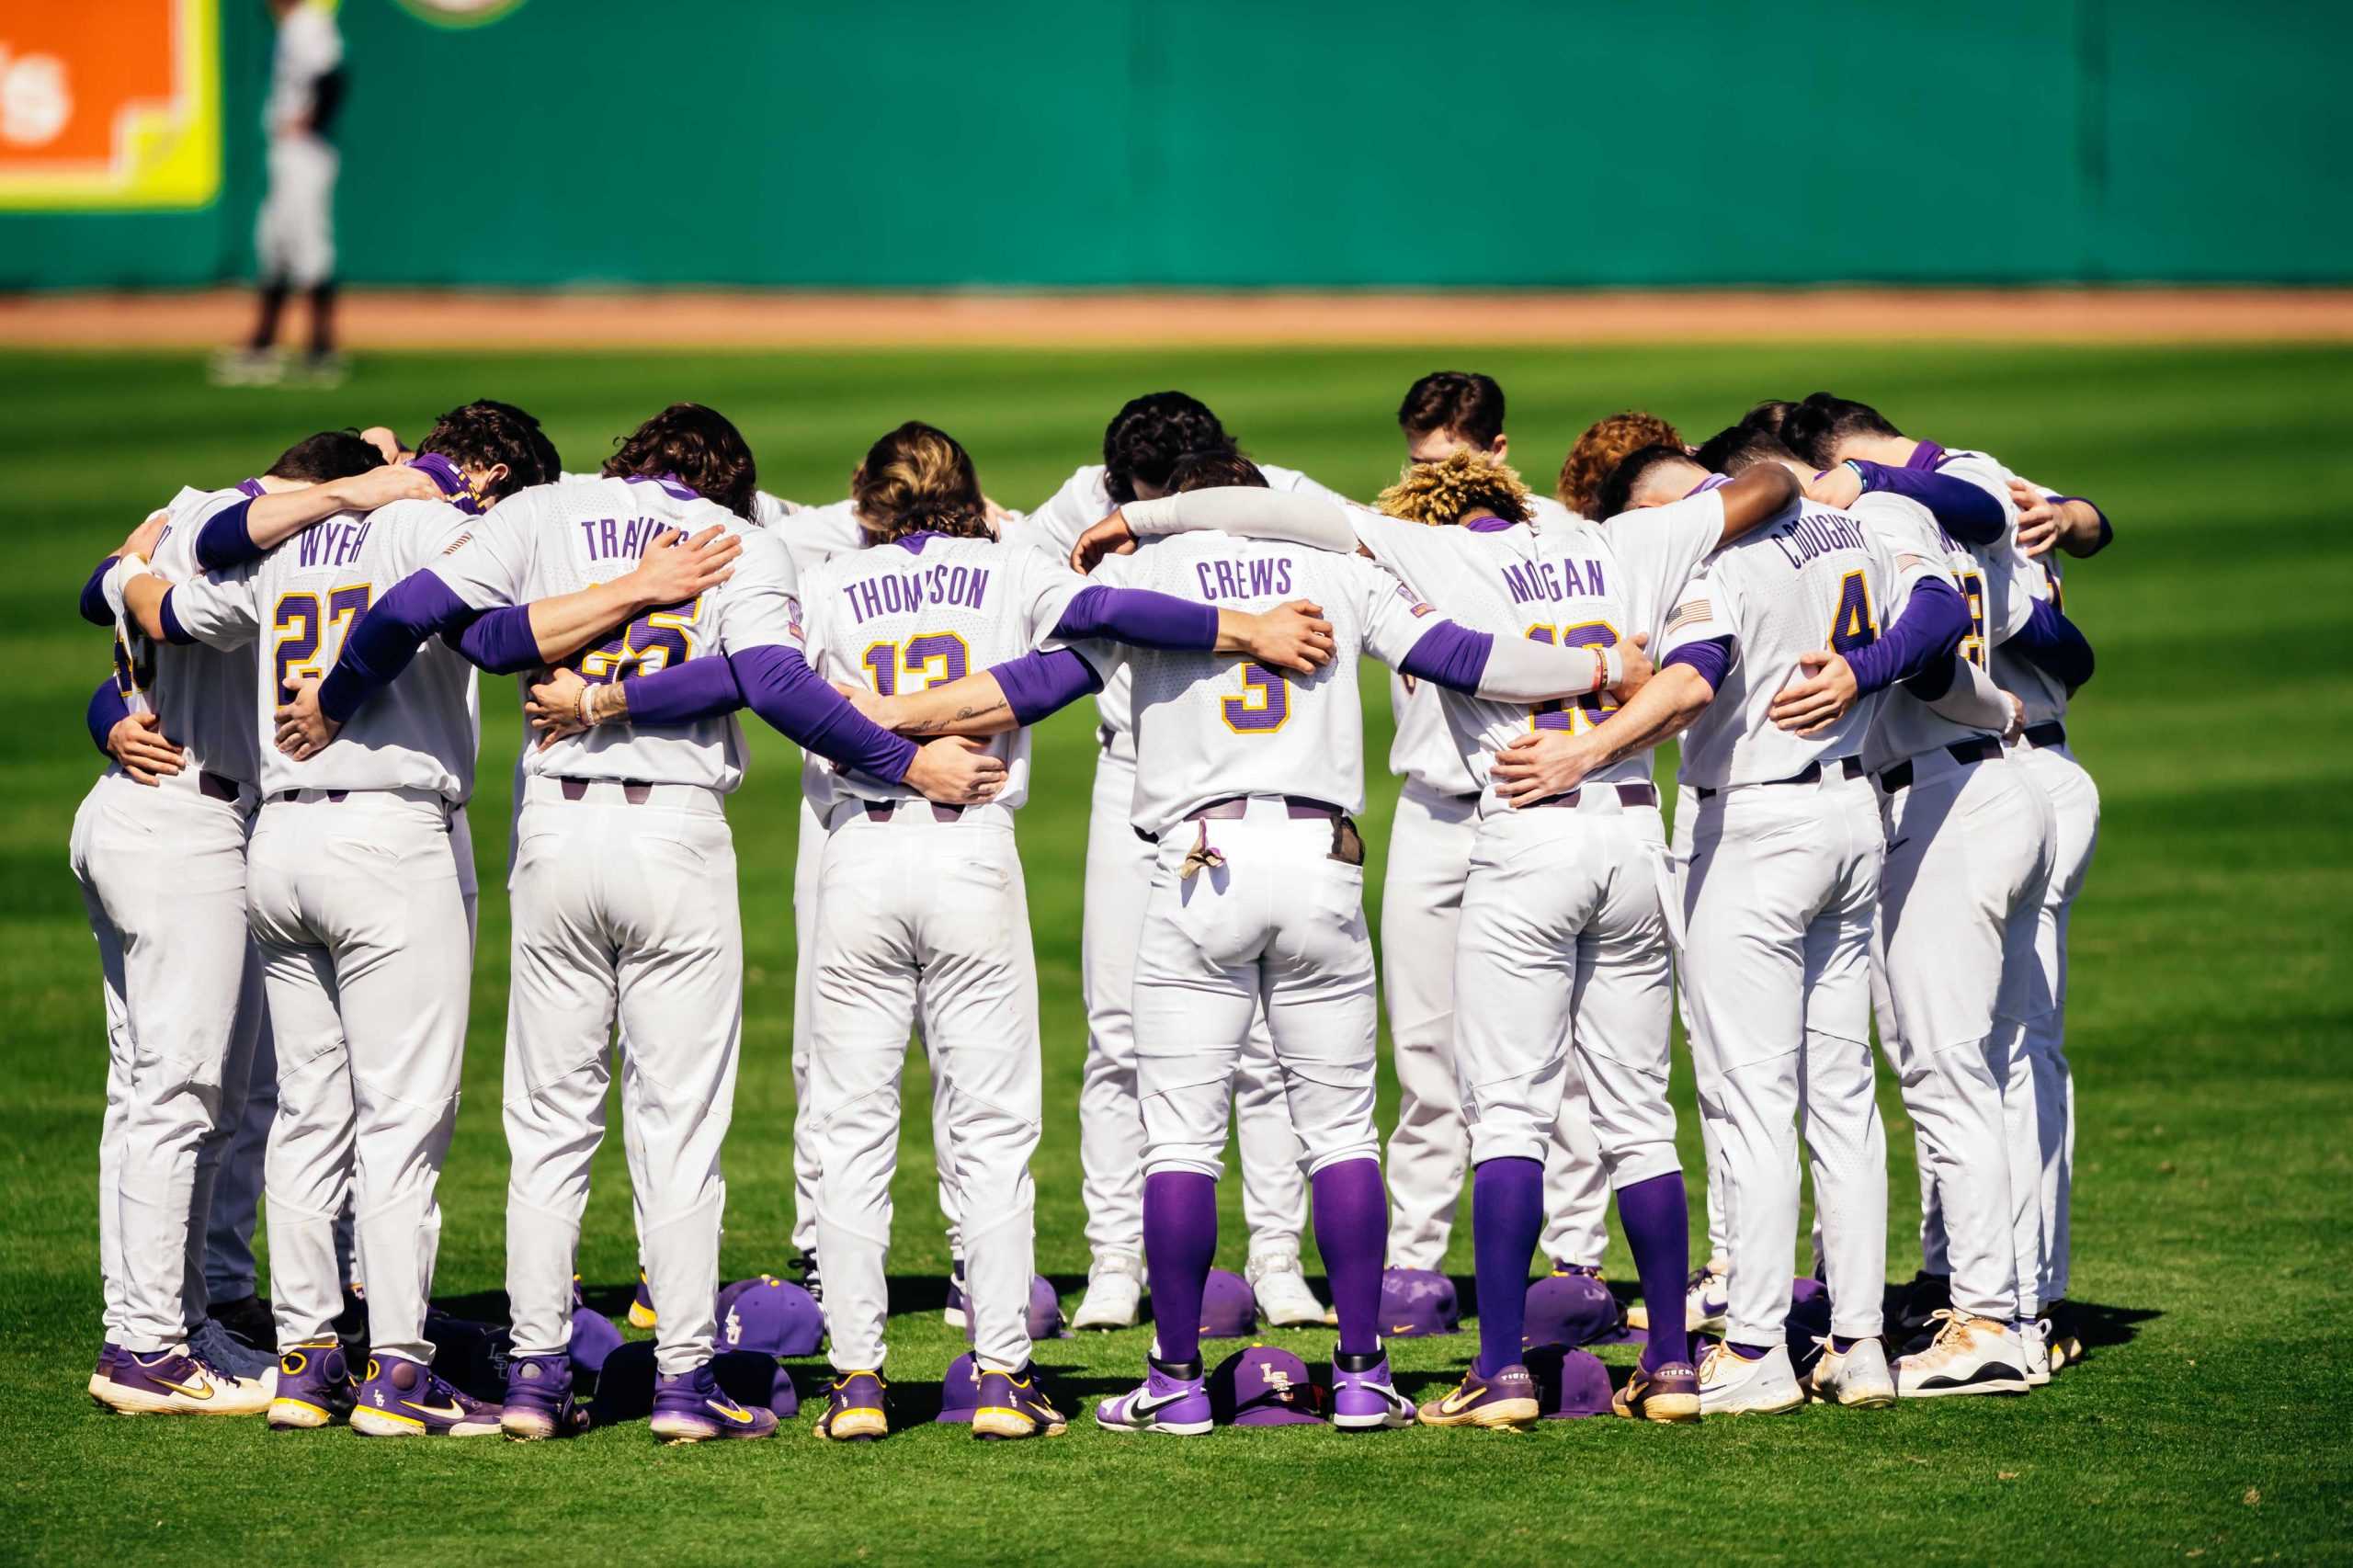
(945, 724)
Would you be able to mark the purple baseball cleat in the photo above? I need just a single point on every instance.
(1365, 1401)
(175, 1382)
(1507, 1399)
(313, 1387)
(108, 1353)
(1171, 1400)
(857, 1408)
(538, 1403)
(1012, 1406)
(690, 1407)
(403, 1399)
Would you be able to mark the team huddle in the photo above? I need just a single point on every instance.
(1853, 637)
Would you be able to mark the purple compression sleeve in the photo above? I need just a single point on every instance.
(224, 540)
(1658, 1232)
(782, 689)
(2107, 531)
(94, 596)
(1507, 1213)
(174, 632)
(700, 688)
(2054, 644)
(1351, 1231)
(1963, 510)
(1038, 683)
(382, 642)
(1140, 617)
(1180, 1242)
(1930, 628)
(1450, 656)
(500, 641)
(1711, 658)
(107, 710)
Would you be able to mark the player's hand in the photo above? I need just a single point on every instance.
(876, 709)
(955, 771)
(1635, 660)
(1540, 765)
(995, 516)
(1838, 486)
(2039, 517)
(675, 569)
(1811, 705)
(380, 436)
(382, 486)
(137, 741)
(303, 731)
(1293, 636)
(143, 538)
(1110, 537)
(552, 706)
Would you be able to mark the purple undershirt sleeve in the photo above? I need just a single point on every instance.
(174, 631)
(500, 641)
(1711, 657)
(1450, 656)
(783, 690)
(107, 710)
(1036, 685)
(700, 688)
(224, 539)
(382, 642)
(2107, 533)
(2054, 644)
(93, 595)
(1139, 616)
(1935, 680)
(1930, 628)
(1964, 511)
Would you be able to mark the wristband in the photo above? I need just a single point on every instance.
(124, 568)
(588, 706)
(1608, 669)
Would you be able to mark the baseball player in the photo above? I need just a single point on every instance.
(294, 233)
(1430, 840)
(1141, 446)
(624, 887)
(182, 985)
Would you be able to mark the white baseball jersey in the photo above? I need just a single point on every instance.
(921, 611)
(299, 601)
(1211, 727)
(2043, 695)
(1084, 501)
(203, 697)
(559, 539)
(309, 47)
(1814, 578)
(1904, 725)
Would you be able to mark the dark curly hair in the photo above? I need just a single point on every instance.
(1605, 444)
(1214, 471)
(699, 448)
(544, 455)
(1815, 428)
(1149, 434)
(1470, 404)
(484, 435)
(330, 454)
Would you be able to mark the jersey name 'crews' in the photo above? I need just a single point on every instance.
(202, 696)
(927, 610)
(1208, 726)
(1905, 726)
(560, 538)
(297, 602)
(1813, 579)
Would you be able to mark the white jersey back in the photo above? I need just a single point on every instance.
(1812, 579)
(927, 610)
(202, 696)
(309, 46)
(1906, 726)
(299, 601)
(1084, 501)
(559, 539)
(1208, 727)
(2040, 692)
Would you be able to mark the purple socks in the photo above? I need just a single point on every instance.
(1658, 1232)
(1352, 1232)
(1179, 1241)
(1507, 1214)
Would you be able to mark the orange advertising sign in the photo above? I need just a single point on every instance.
(109, 104)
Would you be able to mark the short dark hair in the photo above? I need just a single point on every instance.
(1814, 428)
(1739, 448)
(1470, 404)
(1215, 469)
(330, 454)
(543, 452)
(1617, 490)
(1771, 414)
(696, 445)
(1149, 434)
(483, 435)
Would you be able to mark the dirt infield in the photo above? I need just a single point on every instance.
(417, 319)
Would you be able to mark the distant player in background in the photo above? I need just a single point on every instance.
(294, 236)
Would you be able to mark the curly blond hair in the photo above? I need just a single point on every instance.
(1454, 487)
(919, 479)
(1605, 444)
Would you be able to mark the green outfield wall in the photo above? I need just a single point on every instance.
(1216, 142)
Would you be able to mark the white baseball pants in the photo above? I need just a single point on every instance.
(294, 232)
(1687, 812)
(625, 907)
(927, 920)
(357, 910)
(2074, 810)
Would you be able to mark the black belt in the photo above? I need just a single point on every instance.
(883, 811)
(2049, 732)
(1629, 795)
(1234, 807)
(333, 797)
(633, 791)
(1849, 767)
(1979, 750)
(218, 786)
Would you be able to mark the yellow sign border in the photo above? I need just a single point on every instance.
(165, 155)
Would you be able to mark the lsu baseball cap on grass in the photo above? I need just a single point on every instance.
(1043, 1317)
(469, 1353)
(1809, 1323)
(1569, 1310)
(625, 1389)
(1229, 1308)
(1417, 1302)
(1570, 1383)
(959, 1391)
(594, 1337)
(1263, 1386)
(727, 1293)
(773, 1317)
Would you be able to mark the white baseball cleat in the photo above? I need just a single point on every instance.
(1114, 1293)
(1969, 1355)
(1706, 1300)
(1731, 1384)
(1858, 1378)
(2034, 1350)
(1284, 1298)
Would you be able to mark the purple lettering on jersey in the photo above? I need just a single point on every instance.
(630, 536)
(608, 535)
(1812, 534)
(250, 488)
(588, 535)
(1532, 582)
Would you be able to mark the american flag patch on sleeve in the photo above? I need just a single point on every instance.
(1690, 612)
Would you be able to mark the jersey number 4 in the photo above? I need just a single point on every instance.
(300, 629)
(1852, 625)
(1581, 713)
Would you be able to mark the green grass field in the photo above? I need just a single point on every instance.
(2210, 1028)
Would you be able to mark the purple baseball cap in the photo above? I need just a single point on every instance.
(1569, 1383)
(1229, 1308)
(1809, 1322)
(1417, 1302)
(727, 1293)
(1569, 1310)
(594, 1339)
(625, 1387)
(1263, 1386)
(1043, 1319)
(774, 1318)
(959, 1391)
(469, 1354)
